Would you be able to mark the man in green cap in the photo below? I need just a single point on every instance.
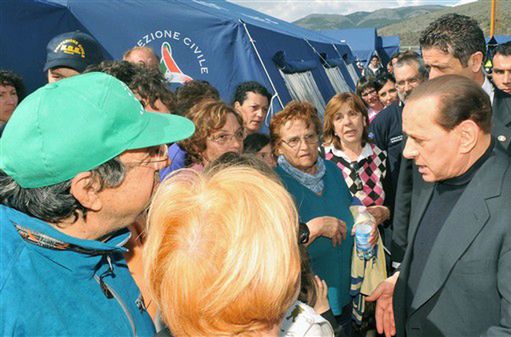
(78, 163)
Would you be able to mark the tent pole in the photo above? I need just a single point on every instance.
(262, 63)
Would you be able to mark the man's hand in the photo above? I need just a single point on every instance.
(384, 311)
(329, 227)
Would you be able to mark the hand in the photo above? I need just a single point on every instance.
(321, 305)
(379, 213)
(329, 227)
(375, 233)
(384, 311)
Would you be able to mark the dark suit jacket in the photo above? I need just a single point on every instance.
(501, 128)
(465, 289)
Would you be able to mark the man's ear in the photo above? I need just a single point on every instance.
(85, 189)
(468, 131)
(237, 106)
(475, 62)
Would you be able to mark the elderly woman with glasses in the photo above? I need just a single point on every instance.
(218, 129)
(322, 199)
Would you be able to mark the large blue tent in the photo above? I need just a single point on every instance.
(216, 41)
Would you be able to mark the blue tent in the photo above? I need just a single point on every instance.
(364, 42)
(217, 41)
(390, 45)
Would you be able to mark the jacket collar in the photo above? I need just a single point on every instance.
(70, 252)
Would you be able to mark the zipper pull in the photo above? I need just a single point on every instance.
(104, 287)
(140, 303)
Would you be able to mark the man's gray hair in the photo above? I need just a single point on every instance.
(55, 202)
(411, 58)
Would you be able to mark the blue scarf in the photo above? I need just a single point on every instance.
(313, 182)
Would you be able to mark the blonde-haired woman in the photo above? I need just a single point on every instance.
(222, 254)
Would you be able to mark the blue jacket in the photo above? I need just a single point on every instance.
(52, 284)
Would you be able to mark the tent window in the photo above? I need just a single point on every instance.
(353, 72)
(337, 80)
(303, 87)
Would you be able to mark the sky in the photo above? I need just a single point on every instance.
(291, 10)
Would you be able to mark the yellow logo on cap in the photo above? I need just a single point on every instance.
(71, 47)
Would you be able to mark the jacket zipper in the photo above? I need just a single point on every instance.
(121, 303)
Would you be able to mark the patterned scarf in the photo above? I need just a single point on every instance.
(313, 182)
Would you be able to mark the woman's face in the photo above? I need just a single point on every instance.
(388, 93)
(8, 101)
(266, 155)
(349, 125)
(299, 145)
(370, 96)
(228, 139)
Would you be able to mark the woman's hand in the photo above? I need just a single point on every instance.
(329, 227)
(380, 213)
(321, 305)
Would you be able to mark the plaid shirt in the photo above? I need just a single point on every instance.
(364, 176)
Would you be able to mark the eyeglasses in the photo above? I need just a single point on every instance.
(410, 81)
(224, 138)
(297, 141)
(368, 93)
(156, 158)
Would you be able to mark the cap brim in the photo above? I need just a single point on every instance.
(162, 128)
(65, 63)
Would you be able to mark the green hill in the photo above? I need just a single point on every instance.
(378, 18)
(408, 22)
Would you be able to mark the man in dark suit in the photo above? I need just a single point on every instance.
(455, 276)
(452, 44)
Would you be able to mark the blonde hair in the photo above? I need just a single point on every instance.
(222, 255)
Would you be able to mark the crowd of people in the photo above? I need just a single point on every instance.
(128, 209)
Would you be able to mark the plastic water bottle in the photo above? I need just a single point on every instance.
(362, 235)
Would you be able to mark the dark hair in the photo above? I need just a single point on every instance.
(382, 80)
(460, 99)
(8, 77)
(503, 49)
(240, 94)
(366, 82)
(374, 57)
(122, 70)
(193, 92)
(149, 83)
(230, 159)
(254, 142)
(55, 202)
(411, 58)
(308, 292)
(456, 34)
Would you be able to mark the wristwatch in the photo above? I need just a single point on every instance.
(303, 234)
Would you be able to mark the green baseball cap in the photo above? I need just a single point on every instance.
(75, 125)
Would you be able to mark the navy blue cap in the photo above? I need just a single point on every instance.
(75, 50)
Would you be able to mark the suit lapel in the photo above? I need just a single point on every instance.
(461, 227)
(502, 108)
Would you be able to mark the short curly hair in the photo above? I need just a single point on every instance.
(293, 111)
(455, 34)
(208, 115)
(8, 77)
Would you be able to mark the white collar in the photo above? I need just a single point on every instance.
(367, 151)
(488, 88)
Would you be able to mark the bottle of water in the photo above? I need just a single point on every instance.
(362, 236)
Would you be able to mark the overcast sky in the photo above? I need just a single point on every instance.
(291, 10)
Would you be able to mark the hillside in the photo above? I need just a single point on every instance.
(408, 22)
(409, 30)
(378, 18)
